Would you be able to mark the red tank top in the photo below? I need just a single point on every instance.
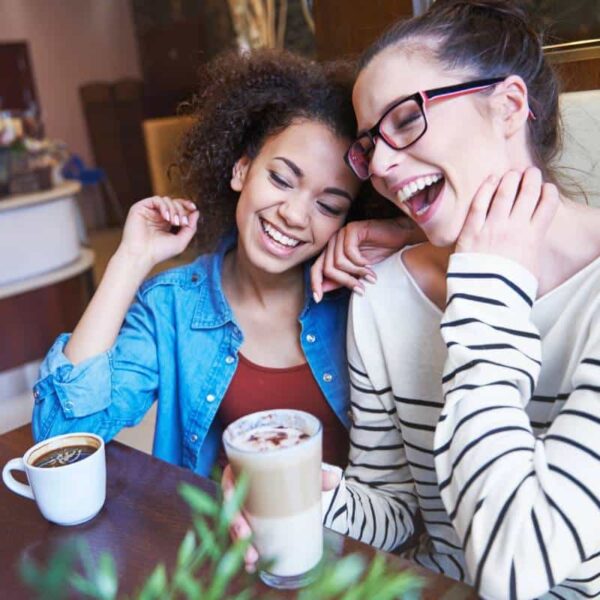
(255, 388)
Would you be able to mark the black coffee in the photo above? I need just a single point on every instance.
(59, 457)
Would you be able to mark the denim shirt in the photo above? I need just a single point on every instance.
(179, 344)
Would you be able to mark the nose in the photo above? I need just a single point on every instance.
(294, 212)
(383, 158)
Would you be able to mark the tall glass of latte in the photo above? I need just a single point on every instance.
(280, 451)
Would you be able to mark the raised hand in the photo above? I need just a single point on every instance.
(510, 217)
(148, 233)
(349, 253)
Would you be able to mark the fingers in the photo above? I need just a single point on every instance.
(316, 277)
(330, 477)
(239, 528)
(505, 196)
(478, 210)
(546, 207)
(338, 271)
(174, 211)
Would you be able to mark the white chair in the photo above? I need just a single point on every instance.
(579, 161)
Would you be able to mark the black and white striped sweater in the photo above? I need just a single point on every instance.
(457, 416)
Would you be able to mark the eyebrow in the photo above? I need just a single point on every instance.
(385, 109)
(300, 173)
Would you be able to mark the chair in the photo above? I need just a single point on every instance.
(162, 138)
(579, 160)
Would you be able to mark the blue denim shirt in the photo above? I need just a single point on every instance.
(179, 344)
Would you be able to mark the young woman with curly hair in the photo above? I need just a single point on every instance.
(238, 329)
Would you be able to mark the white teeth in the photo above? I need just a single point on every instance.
(276, 235)
(410, 189)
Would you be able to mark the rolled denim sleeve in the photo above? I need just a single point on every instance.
(104, 393)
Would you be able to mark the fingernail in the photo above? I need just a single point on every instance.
(358, 290)
(185, 220)
(176, 220)
(167, 216)
(370, 278)
(316, 297)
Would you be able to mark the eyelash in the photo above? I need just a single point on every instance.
(281, 182)
(278, 180)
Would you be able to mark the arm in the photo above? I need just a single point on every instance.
(375, 501)
(104, 376)
(146, 242)
(525, 507)
(353, 248)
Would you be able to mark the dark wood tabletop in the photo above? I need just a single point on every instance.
(142, 523)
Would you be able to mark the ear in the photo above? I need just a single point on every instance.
(510, 105)
(239, 172)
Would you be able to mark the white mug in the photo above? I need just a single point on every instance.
(73, 490)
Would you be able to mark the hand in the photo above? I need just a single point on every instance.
(147, 233)
(350, 252)
(510, 217)
(240, 529)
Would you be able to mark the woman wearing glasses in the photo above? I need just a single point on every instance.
(237, 330)
(475, 359)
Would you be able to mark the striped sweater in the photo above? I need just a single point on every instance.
(458, 419)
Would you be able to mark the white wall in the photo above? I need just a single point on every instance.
(71, 42)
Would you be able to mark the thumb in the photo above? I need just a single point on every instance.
(330, 477)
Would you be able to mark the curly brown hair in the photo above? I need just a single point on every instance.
(243, 100)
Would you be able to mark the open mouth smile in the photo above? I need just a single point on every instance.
(277, 236)
(421, 193)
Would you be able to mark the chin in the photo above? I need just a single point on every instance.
(442, 239)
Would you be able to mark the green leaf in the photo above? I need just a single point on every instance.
(186, 549)
(336, 579)
(198, 500)
(106, 578)
(155, 585)
(229, 566)
(185, 583)
(50, 582)
(233, 505)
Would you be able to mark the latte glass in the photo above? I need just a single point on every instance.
(281, 453)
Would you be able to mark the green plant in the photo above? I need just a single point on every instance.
(207, 563)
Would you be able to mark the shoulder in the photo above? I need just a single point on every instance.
(179, 281)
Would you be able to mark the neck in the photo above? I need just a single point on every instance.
(243, 281)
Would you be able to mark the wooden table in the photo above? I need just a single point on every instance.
(142, 523)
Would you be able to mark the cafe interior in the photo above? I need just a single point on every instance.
(89, 124)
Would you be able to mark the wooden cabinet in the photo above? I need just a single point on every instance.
(346, 27)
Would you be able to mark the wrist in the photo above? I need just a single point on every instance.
(135, 264)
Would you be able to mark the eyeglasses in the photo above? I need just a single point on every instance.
(405, 122)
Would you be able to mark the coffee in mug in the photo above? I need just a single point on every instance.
(281, 452)
(67, 477)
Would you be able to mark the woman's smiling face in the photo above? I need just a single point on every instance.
(434, 180)
(294, 195)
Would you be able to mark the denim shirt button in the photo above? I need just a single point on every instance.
(327, 377)
(210, 398)
(193, 438)
(68, 406)
(310, 338)
(229, 360)
(36, 394)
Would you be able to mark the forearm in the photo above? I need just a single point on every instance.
(99, 326)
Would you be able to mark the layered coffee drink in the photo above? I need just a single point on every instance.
(280, 451)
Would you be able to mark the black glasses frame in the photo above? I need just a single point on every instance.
(422, 98)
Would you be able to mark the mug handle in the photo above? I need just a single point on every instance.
(16, 464)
